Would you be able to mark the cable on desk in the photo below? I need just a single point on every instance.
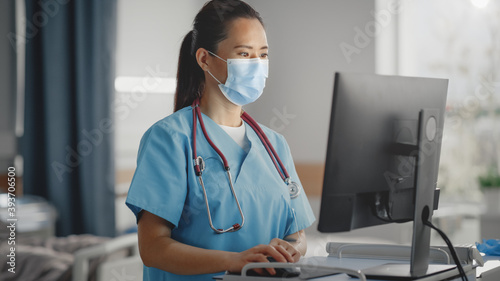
(425, 218)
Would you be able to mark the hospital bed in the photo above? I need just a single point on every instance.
(124, 268)
(73, 258)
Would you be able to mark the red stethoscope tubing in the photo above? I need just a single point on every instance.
(197, 115)
(253, 124)
(267, 144)
(198, 160)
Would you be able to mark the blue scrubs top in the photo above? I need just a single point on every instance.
(166, 185)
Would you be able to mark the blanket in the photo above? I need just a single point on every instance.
(49, 259)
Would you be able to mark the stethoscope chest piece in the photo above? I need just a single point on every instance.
(294, 189)
(201, 163)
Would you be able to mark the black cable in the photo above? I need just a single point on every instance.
(392, 220)
(450, 246)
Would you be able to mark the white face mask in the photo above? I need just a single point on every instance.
(246, 79)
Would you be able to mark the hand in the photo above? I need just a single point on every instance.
(260, 253)
(284, 247)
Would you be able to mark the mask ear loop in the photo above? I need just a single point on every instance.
(217, 56)
(214, 77)
(211, 72)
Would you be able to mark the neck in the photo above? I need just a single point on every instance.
(218, 108)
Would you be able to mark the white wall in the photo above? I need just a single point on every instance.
(304, 39)
(150, 33)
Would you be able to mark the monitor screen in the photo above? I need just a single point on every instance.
(382, 160)
(370, 170)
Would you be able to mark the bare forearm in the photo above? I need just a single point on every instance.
(159, 250)
(169, 255)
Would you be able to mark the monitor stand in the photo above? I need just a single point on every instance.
(427, 161)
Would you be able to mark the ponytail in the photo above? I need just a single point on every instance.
(190, 77)
(210, 27)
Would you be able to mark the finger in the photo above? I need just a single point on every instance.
(294, 253)
(275, 241)
(271, 271)
(287, 245)
(282, 243)
(262, 258)
(269, 250)
(277, 253)
(284, 252)
(296, 256)
(259, 271)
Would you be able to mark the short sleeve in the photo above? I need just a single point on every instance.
(304, 216)
(159, 185)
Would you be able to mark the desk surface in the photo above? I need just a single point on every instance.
(491, 269)
(354, 264)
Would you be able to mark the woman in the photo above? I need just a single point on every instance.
(196, 221)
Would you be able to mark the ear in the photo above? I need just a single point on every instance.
(202, 57)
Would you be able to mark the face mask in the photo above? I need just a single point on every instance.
(246, 79)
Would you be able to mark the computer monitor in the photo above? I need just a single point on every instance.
(383, 156)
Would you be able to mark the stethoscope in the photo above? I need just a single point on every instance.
(199, 164)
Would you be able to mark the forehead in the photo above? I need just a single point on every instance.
(243, 31)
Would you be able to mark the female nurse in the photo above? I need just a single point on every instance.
(181, 209)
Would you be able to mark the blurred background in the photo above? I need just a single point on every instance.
(81, 81)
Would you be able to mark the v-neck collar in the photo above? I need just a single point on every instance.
(234, 153)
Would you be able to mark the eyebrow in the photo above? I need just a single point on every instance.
(250, 47)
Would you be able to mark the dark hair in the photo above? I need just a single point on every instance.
(210, 27)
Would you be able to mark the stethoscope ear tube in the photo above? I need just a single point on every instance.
(199, 164)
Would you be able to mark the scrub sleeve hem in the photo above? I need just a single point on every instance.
(135, 206)
(304, 226)
(299, 228)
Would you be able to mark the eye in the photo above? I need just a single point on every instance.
(264, 56)
(244, 54)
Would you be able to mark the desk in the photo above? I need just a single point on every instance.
(492, 273)
(491, 269)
